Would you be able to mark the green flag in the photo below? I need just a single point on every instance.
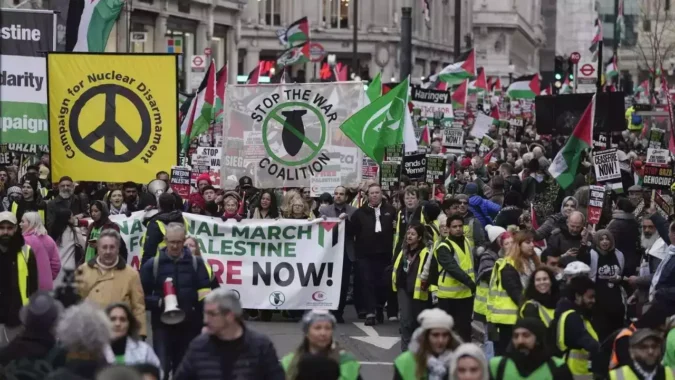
(379, 124)
(374, 90)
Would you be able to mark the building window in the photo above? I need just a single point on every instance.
(146, 1)
(272, 12)
(336, 13)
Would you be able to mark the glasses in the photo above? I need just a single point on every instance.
(306, 192)
(463, 203)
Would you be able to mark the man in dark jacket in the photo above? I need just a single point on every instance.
(191, 283)
(229, 349)
(511, 180)
(136, 201)
(374, 237)
(156, 226)
(571, 241)
(626, 231)
(18, 279)
(77, 203)
(340, 209)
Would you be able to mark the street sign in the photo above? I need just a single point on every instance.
(198, 62)
(207, 51)
(316, 52)
(587, 70)
(575, 57)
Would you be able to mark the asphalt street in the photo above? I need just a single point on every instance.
(376, 347)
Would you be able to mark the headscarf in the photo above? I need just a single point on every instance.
(596, 241)
(569, 198)
(105, 215)
(470, 350)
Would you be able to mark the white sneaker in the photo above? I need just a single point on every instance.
(393, 319)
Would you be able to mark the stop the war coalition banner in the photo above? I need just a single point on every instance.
(271, 264)
(26, 36)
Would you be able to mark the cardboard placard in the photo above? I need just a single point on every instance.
(657, 177)
(595, 203)
(415, 167)
(606, 165)
(436, 169)
(454, 139)
(393, 153)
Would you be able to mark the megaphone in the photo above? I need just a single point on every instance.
(157, 187)
(172, 315)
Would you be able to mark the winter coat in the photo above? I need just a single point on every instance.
(10, 295)
(76, 369)
(47, 257)
(508, 216)
(626, 231)
(135, 352)
(368, 243)
(30, 345)
(483, 209)
(77, 204)
(561, 240)
(120, 284)
(66, 245)
(257, 361)
(186, 281)
(153, 235)
(553, 222)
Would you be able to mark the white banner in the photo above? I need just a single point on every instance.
(272, 264)
(299, 130)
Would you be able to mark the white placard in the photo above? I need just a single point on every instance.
(606, 165)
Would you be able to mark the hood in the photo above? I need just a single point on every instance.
(174, 216)
(469, 349)
(601, 233)
(486, 263)
(569, 198)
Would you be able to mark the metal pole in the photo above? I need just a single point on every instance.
(458, 28)
(406, 42)
(600, 67)
(576, 80)
(355, 57)
(617, 40)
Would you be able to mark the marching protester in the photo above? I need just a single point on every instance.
(431, 348)
(646, 351)
(468, 362)
(100, 217)
(229, 349)
(154, 238)
(374, 230)
(108, 279)
(126, 346)
(318, 326)
(116, 204)
(19, 276)
(31, 200)
(69, 240)
(557, 221)
(45, 249)
(267, 206)
(541, 296)
(66, 199)
(189, 280)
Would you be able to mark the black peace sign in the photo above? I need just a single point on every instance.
(110, 130)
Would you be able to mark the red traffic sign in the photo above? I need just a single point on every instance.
(207, 51)
(587, 69)
(575, 57)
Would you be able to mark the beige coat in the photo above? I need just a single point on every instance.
(120, 284)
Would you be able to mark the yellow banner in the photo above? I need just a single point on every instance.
(112, 116)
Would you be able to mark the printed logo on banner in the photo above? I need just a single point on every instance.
(235, 292)
(298, 127)
(277, 299)
(319, 296)
(109, 115)
(606, 165)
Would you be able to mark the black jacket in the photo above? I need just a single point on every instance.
(446, 259)
(371, 244)
(626, 231)
(511, 283)
(153, 235)
(256, 361)
(77, 204)
(26, 206)
(414, 217)
(10, 296)
(576, 336)
(561, 240)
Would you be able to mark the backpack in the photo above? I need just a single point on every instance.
(155, 265)
(635, 119)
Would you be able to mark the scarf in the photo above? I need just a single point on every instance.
(378, 224)
(118, 211)
(104, 267)
(647, 375)
(437, 367)
(527, 273)
(659, 270)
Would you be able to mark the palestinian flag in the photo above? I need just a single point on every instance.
(295, 55)
(497, 87)
(564, 166)
(425, 137)
(460, 95)
(547, 91)
(464, 68)
(89, 24)
(611, 69)
(597, 37)
(297, 33)
(254, 75)
(525, 87)
(480, 84)
(221, 83)
(201, 111)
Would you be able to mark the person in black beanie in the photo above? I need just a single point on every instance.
(529, 352)
(313, 366)
(30, 199)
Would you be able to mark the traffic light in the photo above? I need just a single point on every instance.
(570, 71)
(558, 72)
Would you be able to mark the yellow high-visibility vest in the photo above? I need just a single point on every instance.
(480, 302)
(418, 293)
(626, 373)
(577, 359)
(398, 225)
(15, 209)
(448, 286)
(501, 309)
(468, 233)
(545, 314)
(22, 270)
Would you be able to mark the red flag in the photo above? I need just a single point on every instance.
(342, 73)
(254, 75)
(425, 137)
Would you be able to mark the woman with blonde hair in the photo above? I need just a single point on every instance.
(509, 277)
(430, 351)
(295, 207)
(45, 249)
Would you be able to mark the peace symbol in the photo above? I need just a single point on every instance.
(110, 130)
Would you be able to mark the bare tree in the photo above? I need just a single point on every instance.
(656, 35)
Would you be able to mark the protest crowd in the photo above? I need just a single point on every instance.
(497, 250)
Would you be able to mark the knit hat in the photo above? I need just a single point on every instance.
(471, 189)
(534, 325)
(33, 182)
(469, 350)
(197, 199)
(313, 316)
(41, 312)
(494, 232)
(13, 190)
(435, 319)
(204, 177)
